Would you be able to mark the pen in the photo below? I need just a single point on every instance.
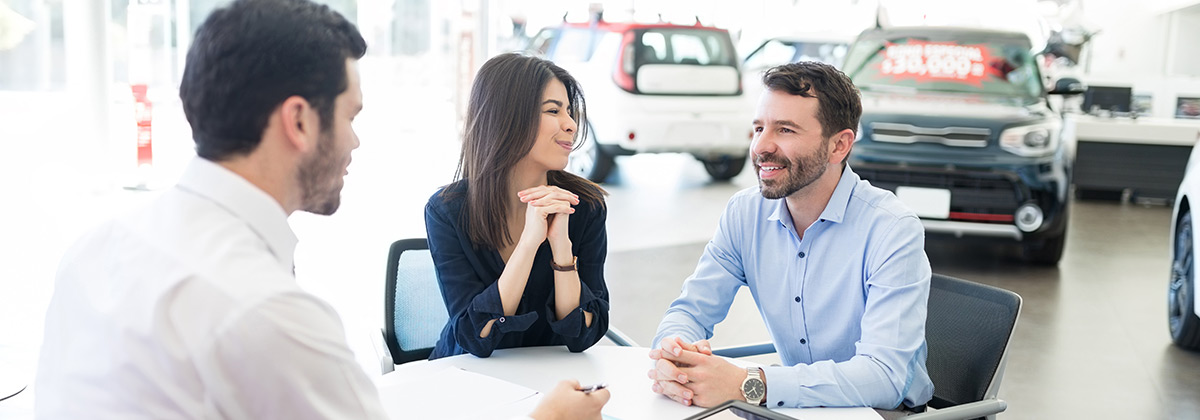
(593, 388)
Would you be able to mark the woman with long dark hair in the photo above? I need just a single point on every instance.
(518, 243)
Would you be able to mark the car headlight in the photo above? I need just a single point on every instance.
(1031, 140)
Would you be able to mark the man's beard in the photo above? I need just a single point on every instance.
(319, 173)
(801, 172)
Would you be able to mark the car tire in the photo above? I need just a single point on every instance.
(724, 168)
(1046, 251)
(590, 161)
(1181, 291)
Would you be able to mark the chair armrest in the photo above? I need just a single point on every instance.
(619, 337)
(386, 365)
(746, 350)
(963, 411)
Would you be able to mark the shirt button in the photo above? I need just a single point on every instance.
(779, 404)
(797, 299)
(803, 341)
(501, 320)
(801, 254)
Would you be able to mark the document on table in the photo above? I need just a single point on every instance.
(453, 393)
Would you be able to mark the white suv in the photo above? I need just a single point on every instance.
(654, 88)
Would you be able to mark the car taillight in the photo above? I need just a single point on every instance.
(623, 73)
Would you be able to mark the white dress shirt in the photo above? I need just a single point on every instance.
(188, 308)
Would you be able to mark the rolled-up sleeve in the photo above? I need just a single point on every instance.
(889, 358)
(590, 245)
(470, 301)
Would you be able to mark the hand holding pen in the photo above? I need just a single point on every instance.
(593, 388)
(568, 400)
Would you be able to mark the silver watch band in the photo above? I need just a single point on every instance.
(755, 375)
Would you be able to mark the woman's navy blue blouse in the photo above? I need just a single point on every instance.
(468, 274)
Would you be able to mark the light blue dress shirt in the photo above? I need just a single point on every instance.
(845, 305)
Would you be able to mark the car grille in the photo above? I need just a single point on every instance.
(974, 196)
(949, 136)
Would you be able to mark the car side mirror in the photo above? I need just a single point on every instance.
(1068, 86)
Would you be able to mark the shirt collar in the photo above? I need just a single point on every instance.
(834, 211)
(247, 202)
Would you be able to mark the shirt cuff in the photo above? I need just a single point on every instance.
(783, 386)
(573, 325)
(487, 306)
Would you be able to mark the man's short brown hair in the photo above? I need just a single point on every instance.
(839, 106)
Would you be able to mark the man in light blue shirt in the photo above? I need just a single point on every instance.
(836, 266)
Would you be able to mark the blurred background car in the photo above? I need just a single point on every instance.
(654, 88)
(1183, 313)
(956, 122)
(825, 47)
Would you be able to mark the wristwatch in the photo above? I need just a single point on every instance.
(569, 267)
(753, 387)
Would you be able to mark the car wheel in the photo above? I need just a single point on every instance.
(1045, 252)
(590, 161)
(1048, 251)
(723, 168)
(1181, 293)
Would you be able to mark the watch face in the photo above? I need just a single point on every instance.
(753, 389)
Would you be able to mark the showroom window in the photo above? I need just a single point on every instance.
(31, 45)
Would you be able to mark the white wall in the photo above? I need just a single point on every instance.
(1185, 28)
(1141, 45)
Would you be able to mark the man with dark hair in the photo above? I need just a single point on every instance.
(836, 266)
(188, 307)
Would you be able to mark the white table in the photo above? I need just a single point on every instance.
(622, 368)
(1144, 130)
(9, 389)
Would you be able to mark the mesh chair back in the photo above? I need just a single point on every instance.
(967, 332)
(414, 310)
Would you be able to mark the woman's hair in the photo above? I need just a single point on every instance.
(500, 129)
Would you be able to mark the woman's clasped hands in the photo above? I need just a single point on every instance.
(547, 214)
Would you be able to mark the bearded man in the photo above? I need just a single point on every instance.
(836, 266)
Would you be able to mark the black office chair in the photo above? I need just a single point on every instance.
(967, 331)
(414, 311)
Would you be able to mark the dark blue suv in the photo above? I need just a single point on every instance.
(956, 122)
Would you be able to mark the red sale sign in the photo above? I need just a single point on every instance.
(935, 62)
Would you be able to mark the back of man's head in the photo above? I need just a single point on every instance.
(839, 105)
(250, 56)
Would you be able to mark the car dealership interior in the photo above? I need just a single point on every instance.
(1046, 147)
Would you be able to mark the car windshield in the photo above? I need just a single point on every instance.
(685, 46)
(782, 51)
(948, 62)
(576, 44)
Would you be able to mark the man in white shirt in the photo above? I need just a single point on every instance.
(188, 308)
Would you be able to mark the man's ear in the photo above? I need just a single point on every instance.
(299, 122)
(840, 144)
